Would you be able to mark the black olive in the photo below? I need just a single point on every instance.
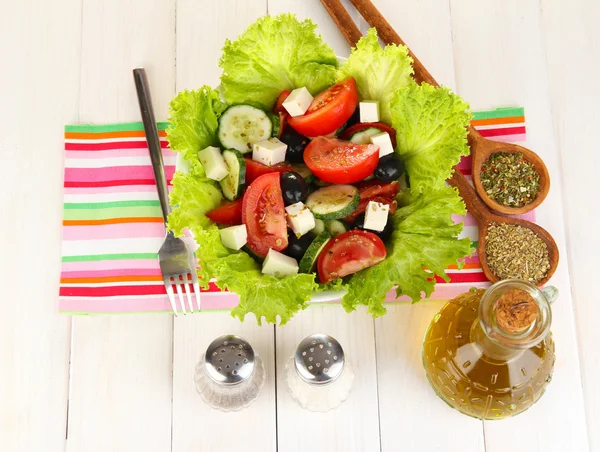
(354, 119)
(293, 187)
(359, 223)
(298, 246)
(296, 144)
(389, 168)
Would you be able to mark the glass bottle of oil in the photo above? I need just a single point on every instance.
(490, 354)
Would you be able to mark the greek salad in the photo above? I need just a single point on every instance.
(306, 176)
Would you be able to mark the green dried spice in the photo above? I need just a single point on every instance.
(509, 179)
(516, 252)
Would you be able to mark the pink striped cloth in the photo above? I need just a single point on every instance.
(112, 223)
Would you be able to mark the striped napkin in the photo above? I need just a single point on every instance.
(113, 228)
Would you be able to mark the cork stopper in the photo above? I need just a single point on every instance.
(515, 311)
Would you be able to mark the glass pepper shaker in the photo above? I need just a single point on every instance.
(318, 375)
(229, 376)
(489, 353)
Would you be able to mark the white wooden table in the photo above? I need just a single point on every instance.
(124, 383)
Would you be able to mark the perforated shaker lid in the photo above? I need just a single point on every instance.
(319, 359)
(229, 360)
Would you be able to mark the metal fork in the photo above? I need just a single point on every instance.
(177, 261)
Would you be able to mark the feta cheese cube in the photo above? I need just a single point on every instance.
(234, 237)
(298, 101)
(213, 163)
(269, 152)
(277, 264)
(384, 142)
(300, 218)
(376, 216)
(369, 111)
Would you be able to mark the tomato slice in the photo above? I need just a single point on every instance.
(347, 134)
(256, 169)
(278, 107)
(340, 162)
(264, 215)
(348, 253)
(229, 213)
(374, 188)
(329, 110)
(362, 206)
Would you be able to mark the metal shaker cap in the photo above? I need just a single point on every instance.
(319, 359)
(229, 360)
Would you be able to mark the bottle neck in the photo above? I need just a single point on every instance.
(491, 348)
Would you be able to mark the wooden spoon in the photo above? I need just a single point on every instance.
(481, 147)
(485, 217)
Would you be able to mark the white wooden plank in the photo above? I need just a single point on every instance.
(408, 406)
(202, 28)
(572, 47)
(353, 426)
(121, 384)
(37, 99)
(500, 61)
(197, 426)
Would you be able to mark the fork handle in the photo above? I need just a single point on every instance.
(151, 130)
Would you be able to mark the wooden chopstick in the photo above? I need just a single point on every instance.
(343, 21)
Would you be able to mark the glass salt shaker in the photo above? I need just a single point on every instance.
(318, 375)
(229, 376)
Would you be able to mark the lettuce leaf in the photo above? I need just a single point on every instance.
(424, 242)
(378, 72)
(431, 133)
(274, 54)
(193, 117)
(263, 295)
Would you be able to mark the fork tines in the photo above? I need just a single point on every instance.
(183, 280)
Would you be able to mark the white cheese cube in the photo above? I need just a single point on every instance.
(369, 111)
(269, 152)
(213, 163)
(384, 142)
(277, 264)
(298, 101)
(234, 237)
(300, 218)
(376, 216)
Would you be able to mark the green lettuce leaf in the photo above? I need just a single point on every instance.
(431, 133)
(263, 295)
(272, 55)
(378, 72)
(424, 242)
(193, 118)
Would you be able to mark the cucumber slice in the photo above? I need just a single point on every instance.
(303, 170)
(240, 126)
(336, 227)
(308, 262)
(233, 184)
(333, 202)
(319, 227)
(276, 125)
(364, 136)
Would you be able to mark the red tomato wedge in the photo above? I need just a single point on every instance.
(347, 134)
(278, 107)
(362, 206)
(264, 215)
(374, 188)
(340, 162)
(256, 169)
(329, 110)
(348, 253)
(230, 213)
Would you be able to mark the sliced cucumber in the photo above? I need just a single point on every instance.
(233, 184)
(336, 227)
(333, 202)
(240, 126)
(276, 125)
(319, 227)
(303, 170)
(364, 136)
(308, 262)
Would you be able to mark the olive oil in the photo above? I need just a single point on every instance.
(480, 370)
